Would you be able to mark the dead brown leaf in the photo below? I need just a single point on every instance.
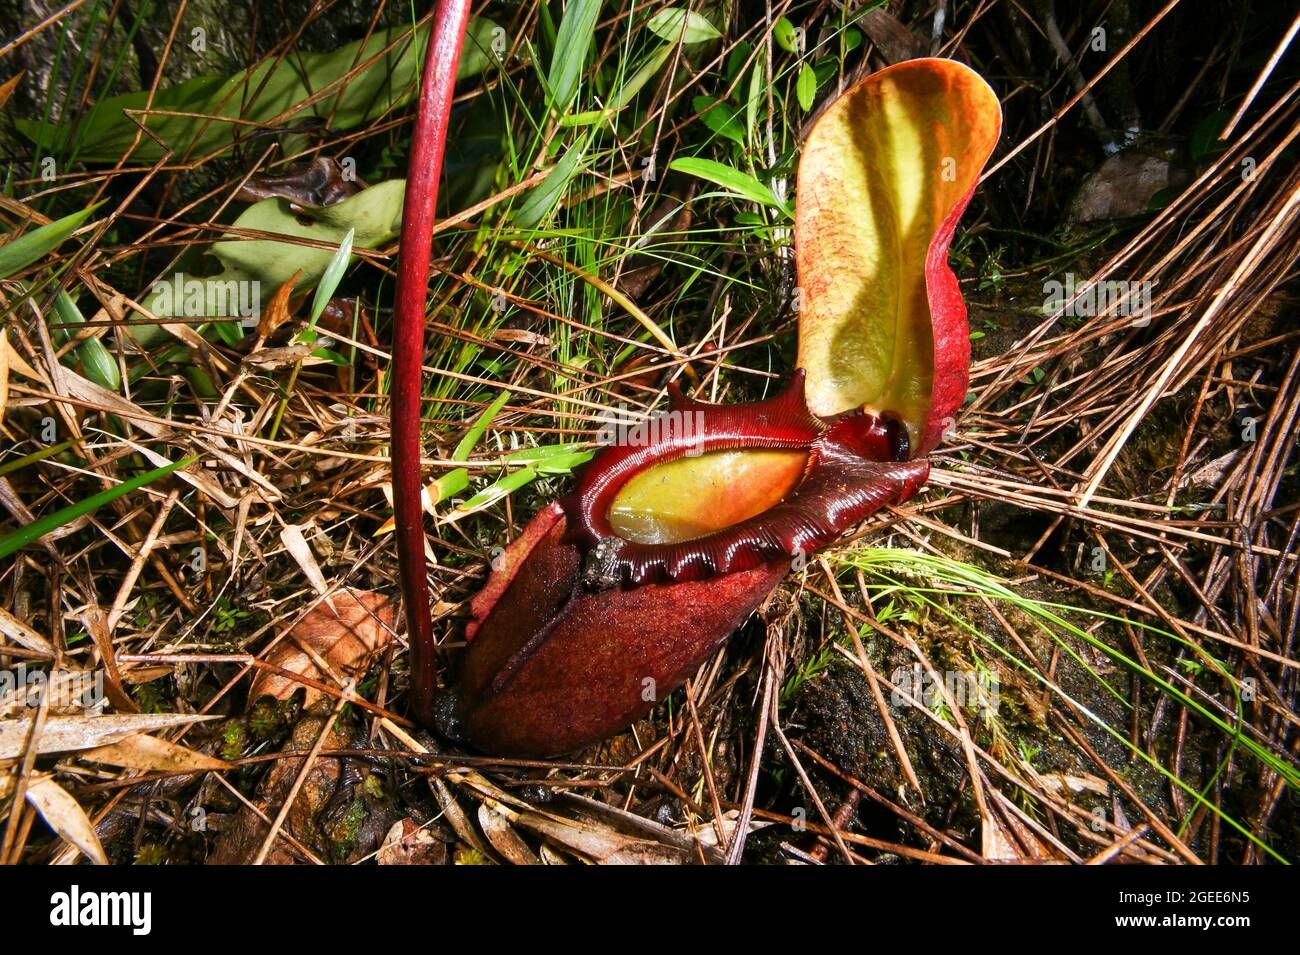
(321, 182)
(599, 843)
(496, 826)
(23, 635)
(8, 86)
(1007, 839)
(277, 310)
(345, 638)
(4, 369)
(65, 816)
(62, 734)
(409, 844)
(151, 754)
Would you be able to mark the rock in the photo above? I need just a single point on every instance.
(1124, 186)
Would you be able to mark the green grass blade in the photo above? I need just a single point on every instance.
(9, 467)
(480, 425)
(541, 199)
(494, 492)
(26, 249)
(94, 357)
(733, 180)
(572, 43)
(329, 280)
(50, 522)
(667, 25)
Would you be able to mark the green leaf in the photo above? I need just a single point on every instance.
(667, 25)
(753, 100)
(494, 492)
(330, 278)
(230, 333)
(551, 459)
(457, 479)
(564, 463)
(374, 216)
(737, 60)
(643, 74)
(451, 483)
(39, 528)
(1204, 140)
(331, 356)
(806, 86)
(26, 249)
(577, 31)
(94, 357)
(17, 464)
(481, 423)
(720, 118)
(1158, 201)
(278, 88)
(786, 38)
(741, 183)
(826, 69)
(542, 198)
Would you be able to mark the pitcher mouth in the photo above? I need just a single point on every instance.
(815, 480)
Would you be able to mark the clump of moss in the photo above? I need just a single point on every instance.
(150, 853)
(270, 718)
(342, 832)
(154, 696)
(234, 739)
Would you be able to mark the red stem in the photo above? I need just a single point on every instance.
(427, 143)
